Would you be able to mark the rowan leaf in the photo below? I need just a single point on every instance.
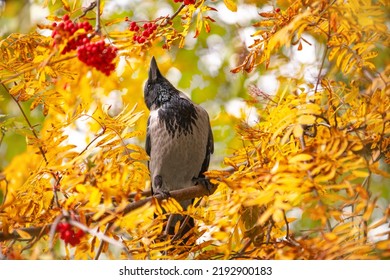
(231, 5)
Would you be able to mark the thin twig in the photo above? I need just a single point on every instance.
(101, 236)
(247, 243)
(287, 226)
(320, 71)
(168, 19)
(28, 122)
(89, 8)
(271, 225)
(102, 242)
(98, 27)
(324, 56)
(52, 231)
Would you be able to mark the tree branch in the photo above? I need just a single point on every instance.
(169, 18)
(183, 194)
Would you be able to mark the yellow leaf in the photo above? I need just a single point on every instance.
(300, 158)
(220, 235)
(383, 245)
(23, 234)
(348, 59)
(341, 56)
(333, 52)
(330, 236)
(94, 198)
(370, 55)
(231, 5)
(360, 173)
(306, 119)
(309, 109)
(81, 188)
(326, 176)
(278, 215)
(287, 134)
(370, 208)
(369, 65)
(114, 21)
(199, 25)
(66, 5)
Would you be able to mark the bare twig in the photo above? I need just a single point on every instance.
(169, 18)
(102, 242)
(271, 225)
(287, 226)
(101, 236)
(246, 245)
(91, 6)
(52, 231)
(324, 56)
(98, 27)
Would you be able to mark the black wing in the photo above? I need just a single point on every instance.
(209, 151)
(148, 145)
(147, 141)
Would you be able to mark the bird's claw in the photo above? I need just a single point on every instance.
(205, 182)
(164, 193)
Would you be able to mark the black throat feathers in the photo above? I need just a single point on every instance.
(178, 114)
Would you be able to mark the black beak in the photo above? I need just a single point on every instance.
(154, 72)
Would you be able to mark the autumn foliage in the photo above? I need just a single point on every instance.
(308, 179)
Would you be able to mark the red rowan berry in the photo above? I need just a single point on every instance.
(146, 33)
(66, 235)
(79, 233)
(188, 2)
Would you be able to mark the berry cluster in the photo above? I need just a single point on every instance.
(66, 28)
(99, 55)
(141, 35)
(186, 2)
(68, 235)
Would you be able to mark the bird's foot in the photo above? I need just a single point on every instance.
(164, 193)
(204, 182)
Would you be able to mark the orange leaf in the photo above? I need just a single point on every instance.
(300, 46)
(267, 14)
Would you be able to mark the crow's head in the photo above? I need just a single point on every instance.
(158, 90)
